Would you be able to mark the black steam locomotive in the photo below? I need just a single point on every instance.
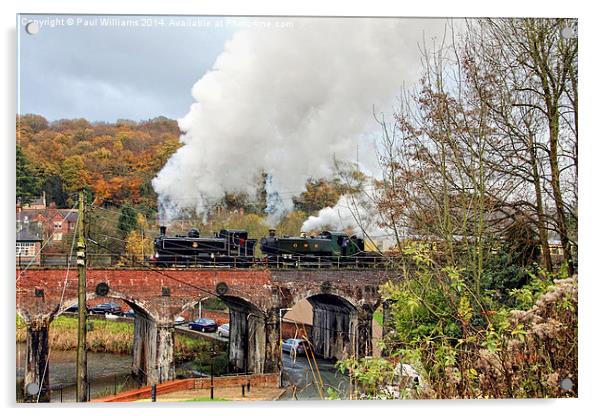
(229, 248)
(233, 248)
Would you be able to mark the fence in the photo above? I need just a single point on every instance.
(96, 389)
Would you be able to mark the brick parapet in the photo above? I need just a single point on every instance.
(255, 380)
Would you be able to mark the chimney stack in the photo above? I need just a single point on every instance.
(272, 233)
(162, 230)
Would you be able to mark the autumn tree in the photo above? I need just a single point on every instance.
(319, 193)
(138, 244)
(36, 123)
(119, 159)
(291, 223)
(74, 174)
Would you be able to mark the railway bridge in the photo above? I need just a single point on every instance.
(343, 303)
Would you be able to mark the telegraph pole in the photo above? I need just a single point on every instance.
(81, 374)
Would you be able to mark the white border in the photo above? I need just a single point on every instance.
(590, 235)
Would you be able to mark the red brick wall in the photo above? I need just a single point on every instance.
(145, 392)
(290, 330)
(256, 380)
(221, 317)
(141, 285)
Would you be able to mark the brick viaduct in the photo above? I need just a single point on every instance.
(343, 303)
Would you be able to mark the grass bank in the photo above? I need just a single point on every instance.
(111, 336)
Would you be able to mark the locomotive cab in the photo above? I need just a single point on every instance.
(238, 242)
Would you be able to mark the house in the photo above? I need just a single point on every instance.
(29, 247)
(49, 222)
(42, 228)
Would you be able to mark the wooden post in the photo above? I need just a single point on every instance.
(81, 372)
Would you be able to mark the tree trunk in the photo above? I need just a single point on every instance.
(555, 181)
(541, 220)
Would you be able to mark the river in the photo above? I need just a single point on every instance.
(107, 373)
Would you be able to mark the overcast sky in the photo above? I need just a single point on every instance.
(105, 72)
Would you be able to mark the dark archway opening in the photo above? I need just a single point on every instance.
(334, 326)
(247, 336)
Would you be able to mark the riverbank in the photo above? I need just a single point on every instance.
(115, 337)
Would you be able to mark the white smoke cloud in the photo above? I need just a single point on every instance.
(356, 213)
(345, 214)
(287, 101)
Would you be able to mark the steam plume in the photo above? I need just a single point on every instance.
(286, 101)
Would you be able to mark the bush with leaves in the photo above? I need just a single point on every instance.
(469, 346)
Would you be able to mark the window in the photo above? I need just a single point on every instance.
(57, 236)
(58, 225)
(26, 249)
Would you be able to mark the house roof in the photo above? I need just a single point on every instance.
(71, 213)
(47, 213)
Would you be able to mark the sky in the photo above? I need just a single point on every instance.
(121, 67)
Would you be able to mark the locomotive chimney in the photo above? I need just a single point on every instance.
(272, 233)
(162, 230)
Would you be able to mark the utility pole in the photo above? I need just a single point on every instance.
(81, 372)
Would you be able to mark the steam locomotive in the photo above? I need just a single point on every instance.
(233, 248)
(227, 248)
(323, 250)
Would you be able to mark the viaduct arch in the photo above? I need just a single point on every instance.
(343, 304)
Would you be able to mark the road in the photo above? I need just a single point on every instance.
(183, 328)
(297, 372)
